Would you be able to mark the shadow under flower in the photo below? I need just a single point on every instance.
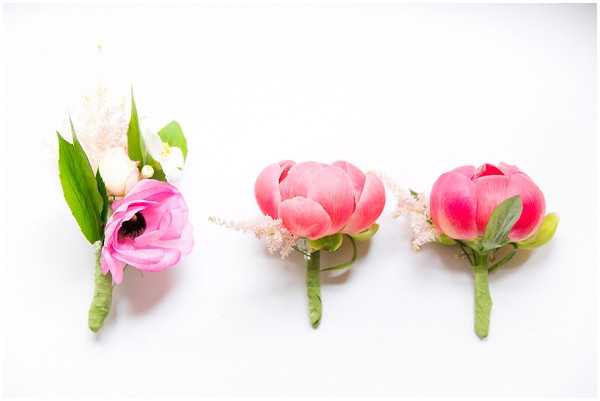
(144, 290)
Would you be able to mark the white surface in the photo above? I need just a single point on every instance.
(411, 91)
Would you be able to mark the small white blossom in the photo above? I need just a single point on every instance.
(170, 157)
(147, 171)
(275, 236)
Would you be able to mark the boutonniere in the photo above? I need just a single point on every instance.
(116, 182)
(489, 213)
(313, 207)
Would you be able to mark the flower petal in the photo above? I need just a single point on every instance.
(491, 191)
(332, 189)
(369, 206)
(304, 217)
(467, 171)
(534, 206)
(356, 176)
(487, 169)
(266, 188)
(298, 179)
(453, 206)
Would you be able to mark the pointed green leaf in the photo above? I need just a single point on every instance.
(80, 188)
(366, 234)
(544, 233)
(104, 196)
(159, 174)
(135, 142)
(503, 218)
(173, 135)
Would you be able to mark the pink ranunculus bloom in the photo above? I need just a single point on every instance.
(463, 200)
(148, 230)
(314, 200)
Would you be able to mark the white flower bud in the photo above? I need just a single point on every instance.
(147, 171)
(119, 173)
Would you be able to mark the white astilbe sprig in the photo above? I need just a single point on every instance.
(101, 121)
(271, 231)
(416, 207)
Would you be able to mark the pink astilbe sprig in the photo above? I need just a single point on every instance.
(275, 236)
(415, 206)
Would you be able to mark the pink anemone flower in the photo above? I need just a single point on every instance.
(148, 230)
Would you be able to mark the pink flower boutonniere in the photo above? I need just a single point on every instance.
(490, 213)
(115, 183)
(312, 207)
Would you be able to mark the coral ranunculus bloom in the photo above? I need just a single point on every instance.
(314, 200)
(463, 200)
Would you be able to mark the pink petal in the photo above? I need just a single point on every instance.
(304, 217)
(332, 189)
(534, 206)
(453, 206)
(356, 176)
(508, 169)
(487, 169)
(369, 207)
(298, 179)
(491, 190)
(266, 189)
(109, 263)
(467, 171)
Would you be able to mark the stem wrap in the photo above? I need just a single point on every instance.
(313, 288)
(102, 299)
(483, 299)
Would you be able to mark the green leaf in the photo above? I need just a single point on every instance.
(80, 188)
(329, 243)
(544, 233)
(173, 135)
(104, 195)
(445, 240)
(366, 234)
(135, 142)
(159, 174)
(503, 218)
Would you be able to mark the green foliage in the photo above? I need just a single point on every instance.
(544, 233)
(503, 218)
(135, 142)
(173, 135)
(367, 234)
(80, 188)
(330, 243)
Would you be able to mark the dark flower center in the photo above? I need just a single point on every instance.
(133, 227)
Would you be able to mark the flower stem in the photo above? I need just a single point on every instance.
(483, 300)
(102, 299)
(313, 288)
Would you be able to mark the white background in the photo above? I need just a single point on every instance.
(411, 91)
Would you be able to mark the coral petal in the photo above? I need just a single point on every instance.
(332, 189)
(266, 189)
(369, 206)
(304, 217)
(453, 206)
(534, 206)
(356, 176)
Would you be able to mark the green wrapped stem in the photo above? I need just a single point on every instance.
(313, 288)
(483, 299)
(102, 300)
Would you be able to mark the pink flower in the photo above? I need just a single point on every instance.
(463, 199)
(148, 230)
(314, 200)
